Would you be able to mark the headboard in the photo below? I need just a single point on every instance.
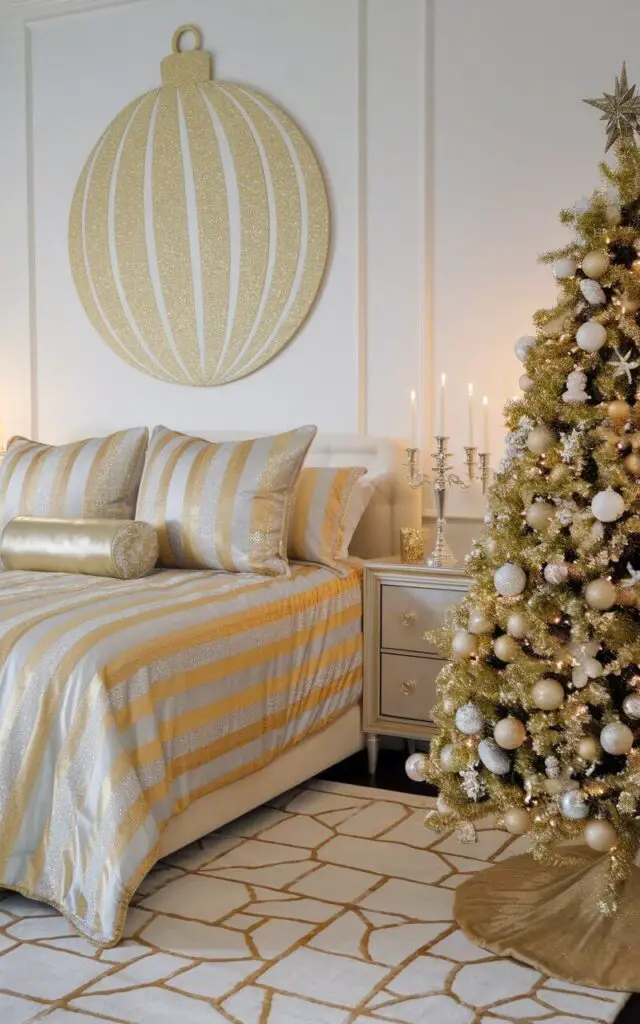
(394, 504)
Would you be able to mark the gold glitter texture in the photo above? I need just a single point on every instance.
(199, 228)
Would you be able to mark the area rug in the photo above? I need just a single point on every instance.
(332, 905)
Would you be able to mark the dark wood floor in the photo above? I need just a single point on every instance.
(390, 774)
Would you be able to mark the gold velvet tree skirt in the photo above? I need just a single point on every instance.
(548, 917)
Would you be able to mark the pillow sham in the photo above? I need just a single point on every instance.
(97, 478)
(121, 549)
(222, 505)
(329, 503)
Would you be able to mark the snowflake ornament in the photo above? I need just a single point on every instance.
(623, 364)
(633, 579)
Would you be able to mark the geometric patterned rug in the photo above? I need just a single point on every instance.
(331, 905)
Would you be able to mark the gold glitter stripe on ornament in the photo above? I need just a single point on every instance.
(282, 187)
(212, 203)
(134, 243)
(171, 233)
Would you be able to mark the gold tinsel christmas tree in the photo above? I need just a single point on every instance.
(539, 704)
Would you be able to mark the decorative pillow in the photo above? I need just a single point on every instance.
(328, 506)
(222, 505)
(124, 550)
(93, 479)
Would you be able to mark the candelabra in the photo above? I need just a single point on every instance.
(443, 477)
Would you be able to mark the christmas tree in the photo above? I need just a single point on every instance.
(539, 704)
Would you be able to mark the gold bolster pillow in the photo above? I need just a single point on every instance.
(119, 548)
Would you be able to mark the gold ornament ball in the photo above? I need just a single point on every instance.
(509, 733)
(539, 514)
(589, 748)
(627, 597)
(632, 464)
(619, 411)
(547, 694)
(635, 438)
(600, 835)
(595, 263)
(505, 648)
(540, 440)
(517, 821)
(464, 644)
(517, 625)
(629, 303)
(479, 623)
(559, 473)
(554, 786)
(600, 594)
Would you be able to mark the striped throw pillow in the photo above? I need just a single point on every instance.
(93, 479)
(328, 506)
(222, 505)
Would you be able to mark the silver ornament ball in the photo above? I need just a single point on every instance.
(414, 767)
(616, 738)
(469, 719)
(556, 573)
(448, 758)
(591, 336)
(574, 805)
(631, 705)
(592, 292)
(563, 268)
(525, 383)
(523, 345)
(493, 757)
(509, 580)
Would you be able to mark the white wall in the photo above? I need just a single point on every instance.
(451, 132)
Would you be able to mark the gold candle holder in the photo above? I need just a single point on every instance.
(411, 544)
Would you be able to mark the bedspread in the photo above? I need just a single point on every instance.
(121, 702)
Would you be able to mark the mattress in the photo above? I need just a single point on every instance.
(121, 702)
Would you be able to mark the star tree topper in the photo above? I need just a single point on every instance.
(621, 110)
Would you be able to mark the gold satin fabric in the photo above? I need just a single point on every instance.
(124, 701)
(95, 547)
(548, 917)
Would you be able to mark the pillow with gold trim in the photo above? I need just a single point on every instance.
(222, 505)
(97, 478)
(329, 503)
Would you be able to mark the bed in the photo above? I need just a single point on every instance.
(143, 714)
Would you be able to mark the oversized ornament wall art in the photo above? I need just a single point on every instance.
(199, 227)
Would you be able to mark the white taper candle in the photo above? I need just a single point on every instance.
(470, 391)
(443, 381)
(485, 416)
(413, 419)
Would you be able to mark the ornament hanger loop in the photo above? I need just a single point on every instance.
(182, 31)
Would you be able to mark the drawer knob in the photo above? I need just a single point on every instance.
(407, 686)
(407, 618)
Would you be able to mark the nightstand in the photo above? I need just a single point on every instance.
(401, 602)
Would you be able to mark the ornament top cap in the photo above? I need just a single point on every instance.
(185, 67)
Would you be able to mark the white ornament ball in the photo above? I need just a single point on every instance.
(479, 623)
(616, 738)
(600, 594)
(525, 382)
(448, 758)
(591, 336)
(574, 805)
(592, 292)
(522, 346)
(509, 580)
(556, 573)
(540, 440)
(539, 514)
(464, 644)
(600, 835)
(505, 648)
(442, 806)
(517, 821)
(589, 748)
(469, 719)
(493, 757)
(547, 694)
(613, 215)
(607, 506)
(564, 268)
(631, 705)
(510, 733)
(596, 263)
(517, 625)
(414, 767)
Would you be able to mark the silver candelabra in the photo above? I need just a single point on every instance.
(444, 476)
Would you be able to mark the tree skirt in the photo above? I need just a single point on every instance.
(333, 905)
(548, 917)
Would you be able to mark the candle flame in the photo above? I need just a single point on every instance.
(485, 400)
(412, 396)
(443, 379)
(470, 389)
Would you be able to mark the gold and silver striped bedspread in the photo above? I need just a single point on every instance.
(122, 701)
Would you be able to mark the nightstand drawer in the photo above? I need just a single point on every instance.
(408, 611)
(408, 686)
